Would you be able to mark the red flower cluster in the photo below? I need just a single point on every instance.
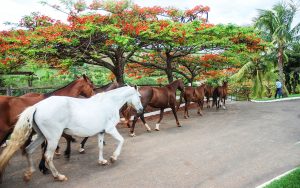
(252, 42)
(213, 58)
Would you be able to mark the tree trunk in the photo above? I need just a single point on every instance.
(119, 72)
(280, 65)
(280, 70)
(120, 79)
(191, 80)
(169, 75)
(169, 70)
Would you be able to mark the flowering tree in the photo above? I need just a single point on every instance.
(172, 38)
(113, 34)
(112, 39)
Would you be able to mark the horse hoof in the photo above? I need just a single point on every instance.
(113, 159)
(185, 117)
(132, 134)
(179, 126)
(45, 171)
(156, 129)
(27, 176)
(103, 162)
(149, 130)
(61, 177)
(81, 151)
(67, 155)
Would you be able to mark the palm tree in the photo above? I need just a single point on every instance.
(258, 71)
(276, 26)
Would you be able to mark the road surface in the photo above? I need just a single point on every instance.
(243, 146)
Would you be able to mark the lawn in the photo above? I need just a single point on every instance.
(272, 98)
(291, 180)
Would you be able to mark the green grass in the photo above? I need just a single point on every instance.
(291, 180)
(272, 98)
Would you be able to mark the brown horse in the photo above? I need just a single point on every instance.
(193, 94)
(220, 95)
(209, 90)
(146, 96)
(157, 97)
(11, 107)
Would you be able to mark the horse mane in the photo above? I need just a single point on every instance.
(49, 94)
(174, 82)
(105, 86)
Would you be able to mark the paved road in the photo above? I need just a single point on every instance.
(243, 146)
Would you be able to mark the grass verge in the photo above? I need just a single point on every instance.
(291, 180)
(272, 98)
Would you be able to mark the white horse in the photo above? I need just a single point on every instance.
(81, 117)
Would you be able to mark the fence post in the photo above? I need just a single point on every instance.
(8, 91)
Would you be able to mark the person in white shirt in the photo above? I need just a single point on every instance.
(278, 89)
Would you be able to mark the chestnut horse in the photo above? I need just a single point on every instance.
(157, 97)
(220, 95)
(208, 94)
(193, 94)
(11, 107)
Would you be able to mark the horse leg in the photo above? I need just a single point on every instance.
(101, 160)
(207, 102)
(202, 104)
(68, 138)
(28, 151)
(143, 120)
(126, 114)
(224, 107)
(81, 147)
(200, 108)
(186, 106)
(42, 165)
(57, 152)
(115, 134)
(136, 117)
(161, 115)
(52, 144)
(175, 115)
(4, 136)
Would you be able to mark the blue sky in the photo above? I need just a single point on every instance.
(222, 11)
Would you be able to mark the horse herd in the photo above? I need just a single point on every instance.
(65, 115)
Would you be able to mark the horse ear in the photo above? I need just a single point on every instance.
(135, 87)
(85, 77)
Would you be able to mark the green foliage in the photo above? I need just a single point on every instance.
(142, 81)
(291, 180)
(276, 26)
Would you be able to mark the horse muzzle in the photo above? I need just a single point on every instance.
(140, 110)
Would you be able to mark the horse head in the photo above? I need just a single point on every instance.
(225, 84)
(135, 100)
(87, 86)
(180, 85)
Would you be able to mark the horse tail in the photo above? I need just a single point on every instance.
(21, 133)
